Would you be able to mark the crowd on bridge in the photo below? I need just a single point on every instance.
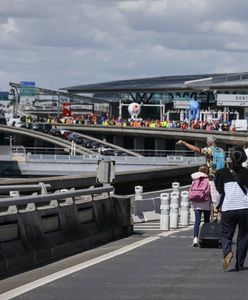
(105, 120)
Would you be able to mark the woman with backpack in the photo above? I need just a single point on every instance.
(232, 185)
(202, 195)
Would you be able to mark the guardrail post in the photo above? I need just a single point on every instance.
(175, 187)
(138, 192)
(192, 215)
(164, 211)
(14, 193)
(43, 188)
(184, 215)
(174, 210)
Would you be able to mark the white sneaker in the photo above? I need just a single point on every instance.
(195, 242)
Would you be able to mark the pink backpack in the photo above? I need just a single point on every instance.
(199, 190)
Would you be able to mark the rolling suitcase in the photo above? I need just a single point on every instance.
(210, 235)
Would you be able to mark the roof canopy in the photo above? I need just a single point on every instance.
(166, 83)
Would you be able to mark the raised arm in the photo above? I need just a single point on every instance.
(189, 146)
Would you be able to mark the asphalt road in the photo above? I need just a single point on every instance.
(164, 267)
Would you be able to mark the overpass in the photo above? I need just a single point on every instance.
(223, 137)
(61, 142)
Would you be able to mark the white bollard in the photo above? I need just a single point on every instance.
(175, 187)
(138, 192)
(184, 214)
(174, 210)
(192, 215)
(164, 211)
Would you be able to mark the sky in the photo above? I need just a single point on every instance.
(61, 43)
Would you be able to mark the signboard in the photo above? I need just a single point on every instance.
(232, 100)
(27, 88)
(181, 104)
(4, 95)
(239, 124)
(82, 107)
(66, 110)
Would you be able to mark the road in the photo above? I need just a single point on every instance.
(151, 264)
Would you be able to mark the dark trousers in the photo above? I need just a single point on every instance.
(198, 213)
(230, 220)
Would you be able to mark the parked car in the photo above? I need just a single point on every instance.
(114, 152)
(65, 134)
(37, 126)
(103, 149)
(72, 136)
(56, 132)
(93, 145)
(119, 153)
(43, 127)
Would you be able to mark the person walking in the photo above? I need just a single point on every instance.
(206, 199)
(232, 184)
(215, 156)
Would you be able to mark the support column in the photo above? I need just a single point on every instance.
(139, 143)
(118, 140)
(160, 144)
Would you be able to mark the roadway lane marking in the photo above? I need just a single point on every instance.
(45, 280)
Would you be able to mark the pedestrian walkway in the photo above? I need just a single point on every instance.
(147, 228)
(145, 266)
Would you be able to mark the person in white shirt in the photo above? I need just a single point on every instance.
(232, 185)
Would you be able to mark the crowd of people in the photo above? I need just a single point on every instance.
(105, 120)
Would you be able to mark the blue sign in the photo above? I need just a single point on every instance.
(4, 95)
(27, 88)
(28, 83)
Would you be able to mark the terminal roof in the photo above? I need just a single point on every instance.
(166, 83)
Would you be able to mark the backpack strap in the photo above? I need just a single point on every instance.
(236, 177)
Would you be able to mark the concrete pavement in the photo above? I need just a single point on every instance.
(163, 266)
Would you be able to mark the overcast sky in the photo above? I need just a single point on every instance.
(59, 43)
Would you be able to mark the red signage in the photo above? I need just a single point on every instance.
(66, 110)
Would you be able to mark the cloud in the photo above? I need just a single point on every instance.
(60, 43)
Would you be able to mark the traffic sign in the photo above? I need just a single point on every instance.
(232, 100)
(4, 95)
(27, 88)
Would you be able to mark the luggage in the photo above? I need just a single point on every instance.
(210, 235)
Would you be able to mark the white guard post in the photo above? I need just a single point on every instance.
(164, 211)
(175, 187)
(174, 205)
(138, 192)
(105, 171)
(192, 214)
(184, 214)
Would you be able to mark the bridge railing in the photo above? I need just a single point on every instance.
(168, 160)
(36, 229)
(15, 204)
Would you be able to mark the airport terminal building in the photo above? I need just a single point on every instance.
(169, 95)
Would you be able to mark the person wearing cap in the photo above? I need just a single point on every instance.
(206, 151)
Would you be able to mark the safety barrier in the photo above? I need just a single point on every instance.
(171, 207)
(36, 229)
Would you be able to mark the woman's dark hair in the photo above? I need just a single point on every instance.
(238, 156)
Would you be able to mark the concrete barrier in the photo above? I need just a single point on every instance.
(30, 238)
